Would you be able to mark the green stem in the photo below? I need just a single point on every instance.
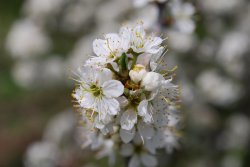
(135, 57)
(109, 66)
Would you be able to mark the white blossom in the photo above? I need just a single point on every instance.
(125, 102)
(140, 42)
(97, 91)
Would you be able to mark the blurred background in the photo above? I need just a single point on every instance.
(43, 41)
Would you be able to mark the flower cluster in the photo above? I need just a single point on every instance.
(126, 97)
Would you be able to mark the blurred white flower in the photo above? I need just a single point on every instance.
(26, 39)
(32, 74)
(181, 42)
(237, 133)
(76, 58)
(149, 14)
(44, 8)
(109, 11)
(220, 6)
(53, 70)
(218, 89)
(60, 127)
(182, 13)
(78, 15)
(24, 73)
(41, 154)
(230, 54)
(143, 159)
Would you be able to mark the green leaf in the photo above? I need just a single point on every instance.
(123, 65)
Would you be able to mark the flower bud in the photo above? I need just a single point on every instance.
(137, 73)
(151, 81)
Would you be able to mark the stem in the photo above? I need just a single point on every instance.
(109, 66)
(135, 56)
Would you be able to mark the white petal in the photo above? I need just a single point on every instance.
(98, 124)
(115, 66)
(150, 145)
(112, 88)
(139, 3)
(145, 111)
(153, 94)
(114, 41)
(88, 100)
(128, 119)
(96, 61)
(148, 160)
(152, 81)
(134, 161)
(123, 101)
(160, 118)
(139, 29)
(145, 130)
(143, 108)
(103, 75)
(127, 135)
(100, 47)
(125, 33)
(127, 150)
(137, 139)
(112, 106)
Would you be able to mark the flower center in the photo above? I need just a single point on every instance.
(95, 90)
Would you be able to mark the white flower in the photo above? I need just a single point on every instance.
(137, 73)
(139, 117)
(140, 42)
(109, 49)
(151, 81)
(97, 91)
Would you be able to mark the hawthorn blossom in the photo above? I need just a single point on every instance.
(97, 91)
(125, 100)
(140, 42)
(108, 49)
